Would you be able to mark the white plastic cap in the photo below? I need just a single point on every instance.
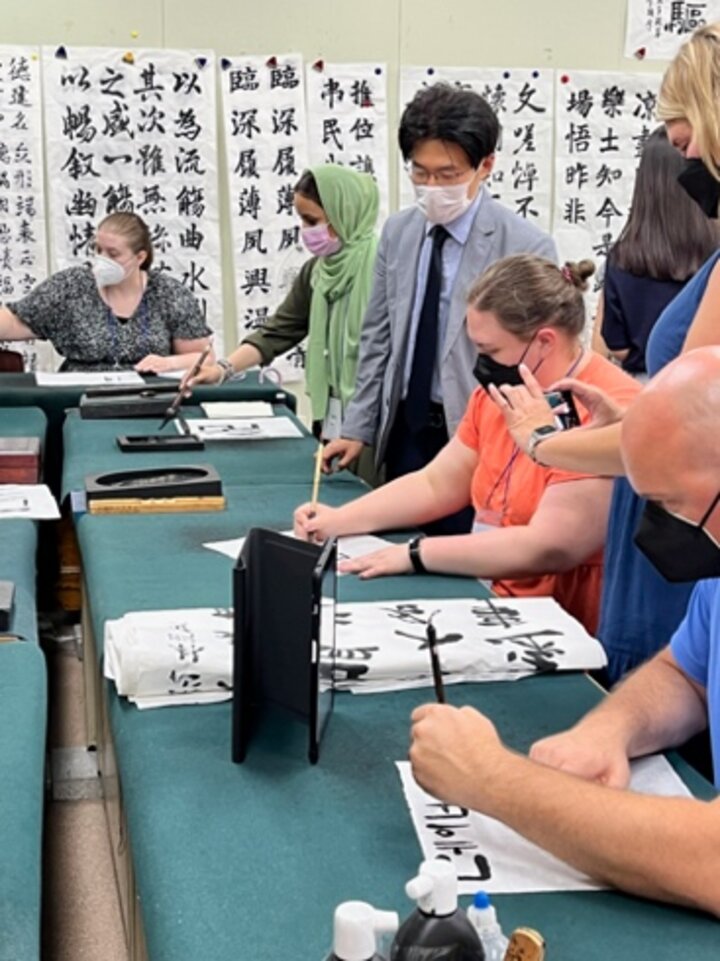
(434, 888)
(357, 925)
(483, 918)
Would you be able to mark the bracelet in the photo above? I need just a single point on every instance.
(227, 369)
(414, 553)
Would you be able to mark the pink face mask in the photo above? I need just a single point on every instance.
(319, 242)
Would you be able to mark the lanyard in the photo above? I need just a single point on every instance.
(506, 472)
(114, 330)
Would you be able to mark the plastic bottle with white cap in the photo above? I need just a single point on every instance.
(438, 926)
(356, 928)
(483, 917)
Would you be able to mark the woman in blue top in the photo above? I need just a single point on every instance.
(640, 610)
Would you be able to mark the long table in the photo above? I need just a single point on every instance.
(21, 390)
(23, 710)
(90, 446)
(249, 861)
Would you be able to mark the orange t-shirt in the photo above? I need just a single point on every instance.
(513, 489)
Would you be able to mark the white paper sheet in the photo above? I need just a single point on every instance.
(382, 645)
(102, 378)
(31, 501)
(262, 428)
(169, 657)
(347, 549)
(232, 410)
(656, 29)
(490, 856)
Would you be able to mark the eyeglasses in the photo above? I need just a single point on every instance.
(444, 177)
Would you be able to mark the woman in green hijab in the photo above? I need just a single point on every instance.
(338, 209)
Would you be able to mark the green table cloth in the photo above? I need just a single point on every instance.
(249, 861)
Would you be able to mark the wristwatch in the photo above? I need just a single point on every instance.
(538, 435)
(414, 552)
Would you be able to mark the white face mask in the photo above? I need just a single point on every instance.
(107, 272)
(442, 205)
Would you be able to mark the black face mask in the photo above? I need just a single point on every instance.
(700, 184)
(488, 371)
(680, 551)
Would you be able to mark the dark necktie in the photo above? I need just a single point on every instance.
(417, 402)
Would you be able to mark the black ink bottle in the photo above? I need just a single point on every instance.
(438, 930)
(355, 930)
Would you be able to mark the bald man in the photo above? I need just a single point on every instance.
(565, 797)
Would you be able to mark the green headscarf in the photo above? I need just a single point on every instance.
(341, 284)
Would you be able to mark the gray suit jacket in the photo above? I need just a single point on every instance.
(496, 233)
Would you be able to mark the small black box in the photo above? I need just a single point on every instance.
(148, 402)
(7, 594)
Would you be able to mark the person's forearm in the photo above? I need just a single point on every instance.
(506, 552)
(664, 848)
(655, 708)
(406, 502)
(184, 360)
(11, 328)
(244, 356)
(590, 450)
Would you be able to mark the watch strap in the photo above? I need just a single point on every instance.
(414, 553)
(537, 437)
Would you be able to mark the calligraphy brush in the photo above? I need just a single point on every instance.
(316, 478)
(177, 400)
(431, 635)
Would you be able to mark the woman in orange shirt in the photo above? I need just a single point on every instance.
(538, 530)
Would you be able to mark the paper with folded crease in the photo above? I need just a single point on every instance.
(159, 658)
(185, 656)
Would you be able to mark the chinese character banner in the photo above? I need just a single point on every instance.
(603, 121)
(347, 119)
(23, 257)
(136, 132)
(656, 29)
(265, 129)
(523, 102)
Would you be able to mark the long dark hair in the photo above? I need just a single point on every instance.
(666, 236)
(307, 186)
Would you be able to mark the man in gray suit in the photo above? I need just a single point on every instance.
(415, 369)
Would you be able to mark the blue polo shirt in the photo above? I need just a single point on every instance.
(695, 645)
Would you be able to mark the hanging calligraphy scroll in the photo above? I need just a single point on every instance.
(603, 121)
(23, 258)
(136, 132)
(657, 28)
(263, 107)
(347, 119)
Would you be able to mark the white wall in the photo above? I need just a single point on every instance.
(517, 33)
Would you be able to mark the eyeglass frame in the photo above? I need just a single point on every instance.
(442, 177)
